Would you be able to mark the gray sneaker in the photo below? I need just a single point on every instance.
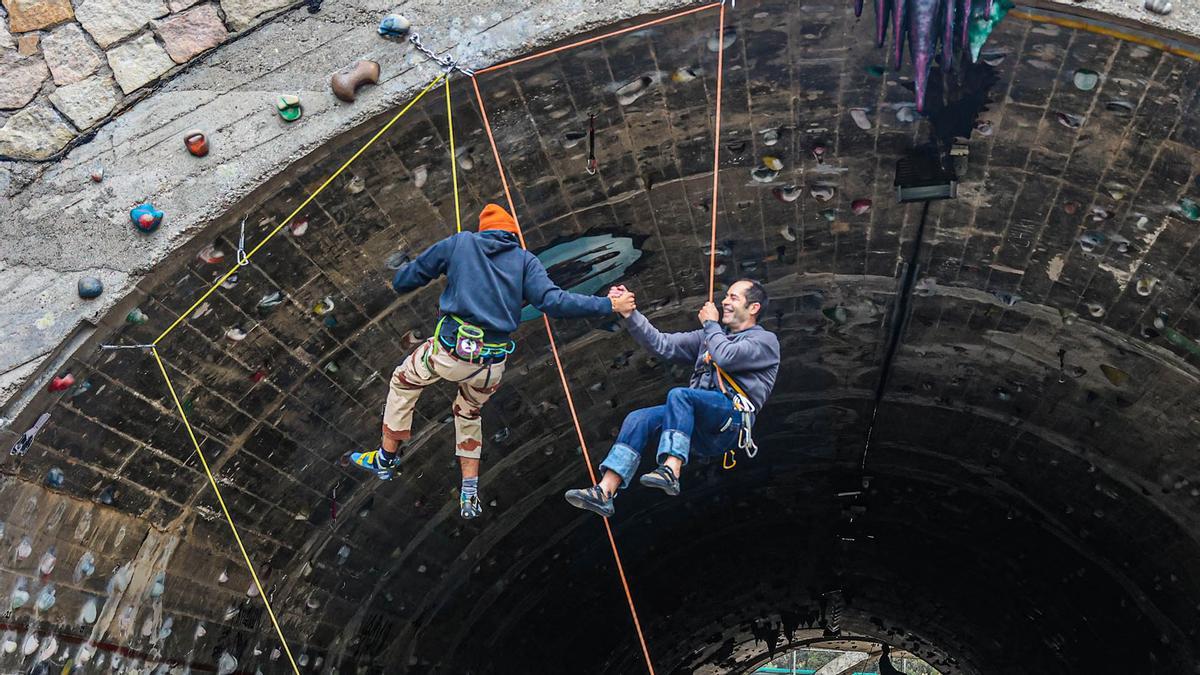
(662, 478)
(591, 499)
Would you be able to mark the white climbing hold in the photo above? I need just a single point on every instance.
(420, 175)
(87, 614)
(226, 664)
(30, 645)
(24, 549)
(859, 115)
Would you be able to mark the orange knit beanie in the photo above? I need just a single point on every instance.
(495, 218)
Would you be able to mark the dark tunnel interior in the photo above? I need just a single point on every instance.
(1027, 501)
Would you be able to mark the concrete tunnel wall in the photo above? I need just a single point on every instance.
(141, 165)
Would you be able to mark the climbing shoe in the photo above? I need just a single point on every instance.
(662, 478)
(375, 462)
(469, 506)
(592, 499)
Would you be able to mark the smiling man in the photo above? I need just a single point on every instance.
(735, 369)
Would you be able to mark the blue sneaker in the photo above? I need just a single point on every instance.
(375, 462)
(469, 507)
(591, 499)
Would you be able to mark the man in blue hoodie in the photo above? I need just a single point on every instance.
(488, 279)
(734, 372)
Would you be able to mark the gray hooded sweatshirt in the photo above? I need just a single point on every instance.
(750, 357)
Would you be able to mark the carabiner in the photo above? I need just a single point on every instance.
(726, 461)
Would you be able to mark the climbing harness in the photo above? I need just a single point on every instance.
(591, 160)
(468, 344)
(743, 406)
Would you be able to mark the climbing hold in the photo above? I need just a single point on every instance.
(1189, 209)
(786, 193)
(787, 233)
(1095, 309)
(1145, 285)
(8, 644)
(19, 595)
(324, 306)
(211, 255)
(1120, 106)
(230, 282)
(859, 115)
(258, 375)
(236, 334)
(993, 58)
(818, 153)
(223, 577)
(683, 75)
(396, 260)
(829, 214)
(763, 174)
(289, 107)
(87, 613)
(1114, 374)
(1072, 207)
(875, 70)
(196, 142)
(97, 174)
(836, 314)
(90, 287)
(1121, 243)
(1088, 241)
(420, 175)
(632, 91)
(269, 302)
(1002, 394)
(159, 586)
(1068, 120)
(227, 664)
(770, 136)
(466, 157)
(30, 645)
(136, 317)
(394, 26)
(906, 114)
(85, 567)
(860, 206)
(343, 554)
(66, 381)
(1099, 213)
(821, 193)
(145, 217)
(1086, 80)
(107, 496)
(1008, 299)
(55, 478)
(252, 591)
(346, 82)
(46, 598)
(1160, 7)
(714, 40)
(772, 163)
(298, 227)
(984, 127)
(201, 631)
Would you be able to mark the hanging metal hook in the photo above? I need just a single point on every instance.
(591, 160)
(241, 250)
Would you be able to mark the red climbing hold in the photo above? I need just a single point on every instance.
(62, 383)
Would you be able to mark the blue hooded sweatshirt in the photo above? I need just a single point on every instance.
(489, 278)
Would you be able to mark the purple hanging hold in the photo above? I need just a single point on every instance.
(883, 8)
(966, 10)
(948, 34)
(921, 37)
(899, 24)
(858, 5)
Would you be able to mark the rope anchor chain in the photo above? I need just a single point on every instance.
(447, 63)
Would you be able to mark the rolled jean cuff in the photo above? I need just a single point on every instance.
(673, 444)
(623, 461)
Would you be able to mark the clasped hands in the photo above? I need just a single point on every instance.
(624, 303)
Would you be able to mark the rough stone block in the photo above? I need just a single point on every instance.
(138, 61)
(111, 20)
(70, 55)
(27, 15)
(27, 44)
(22, 77)
(34, 133)
(86, 102)
(192, 32)
(243, 14)
(6, 38)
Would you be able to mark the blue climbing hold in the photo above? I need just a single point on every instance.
(394, 25)
(90, 287)
(145, 217)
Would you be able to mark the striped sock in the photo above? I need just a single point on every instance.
(389, 456)
(470, 487)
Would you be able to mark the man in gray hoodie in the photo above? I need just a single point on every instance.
(735, 370)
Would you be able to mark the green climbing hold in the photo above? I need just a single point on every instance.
(875, 70)
(289, 107)
(982, 26)
(1086, 80)
(1182, 341)
(1189, 208)
(829, 214)
(136, 317)
(836, 314)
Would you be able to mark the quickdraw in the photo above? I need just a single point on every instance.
(591, 160)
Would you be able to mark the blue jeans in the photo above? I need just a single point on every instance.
(694, 421)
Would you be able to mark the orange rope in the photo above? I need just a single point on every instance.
(597, 38)
(712, 246)
(562, 376)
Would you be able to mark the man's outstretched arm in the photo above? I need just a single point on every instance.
(428, 266)
(541, 292)
(682, 347)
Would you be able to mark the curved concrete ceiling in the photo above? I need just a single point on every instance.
(1028, 503)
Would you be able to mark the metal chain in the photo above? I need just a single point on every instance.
(446, 62)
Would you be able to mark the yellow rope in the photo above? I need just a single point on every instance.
(1090, 27)
(303, 204)
(224, 509)
(453, 158)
